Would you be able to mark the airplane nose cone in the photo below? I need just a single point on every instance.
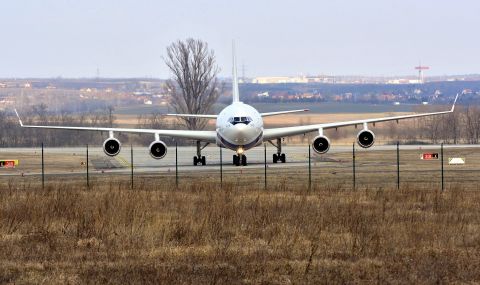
(243, 133)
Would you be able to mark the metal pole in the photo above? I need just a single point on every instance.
(131, 164)
(176, 164)
(353, 164)
(309, 168)
(441, 153)
(265, 162)
(43, 170)
(398, 165)
(88, 178)
(221, 168)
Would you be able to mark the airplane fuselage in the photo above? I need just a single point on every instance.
(239, 127)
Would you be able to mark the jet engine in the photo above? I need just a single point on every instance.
(365, 138)
(321, 144)
(158, 149)
(111, 146)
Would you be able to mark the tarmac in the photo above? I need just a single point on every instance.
(297, 156)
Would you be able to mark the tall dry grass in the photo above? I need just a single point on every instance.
(200, 233)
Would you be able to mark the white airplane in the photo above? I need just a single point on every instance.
(239, 127)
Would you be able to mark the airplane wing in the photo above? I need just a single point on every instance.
(269, 134)
(283, 112)
(193, 116)
(207, 136)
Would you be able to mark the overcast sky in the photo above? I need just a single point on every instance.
(127, 38)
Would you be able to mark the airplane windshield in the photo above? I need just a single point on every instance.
(240, 120)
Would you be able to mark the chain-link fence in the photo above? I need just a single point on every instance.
(348, 167)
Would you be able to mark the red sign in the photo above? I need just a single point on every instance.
(429, 156)
(7, 163)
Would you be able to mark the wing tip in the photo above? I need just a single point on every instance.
(454, 102)
(18, 116)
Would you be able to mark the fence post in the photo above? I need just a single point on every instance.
(441, 154)
(265, 163)
(43, 170)
(353, 166)
(176, 164)
(398, 165)
(309, 168)
(131, 165)
(221, 168)
(88, 178)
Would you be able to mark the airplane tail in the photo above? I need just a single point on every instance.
(236, 95)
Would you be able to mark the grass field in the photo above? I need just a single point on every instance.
(200, 233)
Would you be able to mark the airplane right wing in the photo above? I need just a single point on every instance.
(206, 136)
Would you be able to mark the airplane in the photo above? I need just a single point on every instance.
(239, 127)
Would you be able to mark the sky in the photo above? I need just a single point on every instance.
(128, 38)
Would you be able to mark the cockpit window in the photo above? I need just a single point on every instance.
(240, 120)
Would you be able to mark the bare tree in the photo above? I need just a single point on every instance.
(194, 87)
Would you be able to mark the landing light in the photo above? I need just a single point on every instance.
(240, 150)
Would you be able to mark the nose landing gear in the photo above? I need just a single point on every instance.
(240, 159)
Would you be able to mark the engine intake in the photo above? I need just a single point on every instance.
(111, 146)
(321, 144)
(365, 138)
(158, 149)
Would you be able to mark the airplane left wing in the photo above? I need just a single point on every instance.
(269, 134)
(207, 136)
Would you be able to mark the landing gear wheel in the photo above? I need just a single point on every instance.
(244, 160)
(283, 158)
(236, 160)
(199, 160)
(275, 158)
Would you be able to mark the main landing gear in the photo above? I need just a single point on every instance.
(199, 159)
(279, 156)
(240, 159)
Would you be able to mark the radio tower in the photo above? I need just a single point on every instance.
(420, 69)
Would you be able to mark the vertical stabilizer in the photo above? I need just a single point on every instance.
(236, 95)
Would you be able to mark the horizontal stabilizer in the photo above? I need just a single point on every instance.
(193, 116)
(283, 112)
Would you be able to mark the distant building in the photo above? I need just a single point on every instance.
(263, 95)
(403, 81)
(279, 79)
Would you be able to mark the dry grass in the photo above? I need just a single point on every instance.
(202, 234)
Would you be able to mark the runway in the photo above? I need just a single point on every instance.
(73, 160)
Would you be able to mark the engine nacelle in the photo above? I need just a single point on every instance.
(158, 149)
(321, 144)
(365, 138)
(112, 146)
